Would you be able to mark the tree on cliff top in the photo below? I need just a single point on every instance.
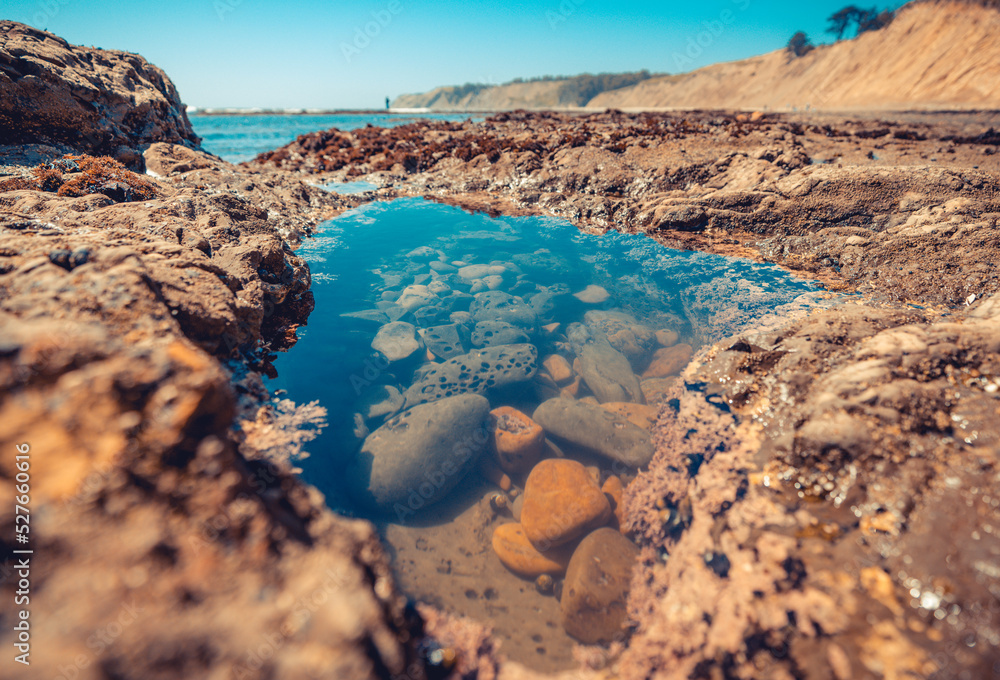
(799, 44)
(863, 20)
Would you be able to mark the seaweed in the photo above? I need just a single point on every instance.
(104, 175)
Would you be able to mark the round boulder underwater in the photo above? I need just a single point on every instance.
(417, 457)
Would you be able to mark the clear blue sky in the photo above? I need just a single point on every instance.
(315, 54)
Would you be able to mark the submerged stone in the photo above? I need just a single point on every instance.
(491, 333)
(475, 373)
(496, 305)
(561, 503)
(595, 591)
(418, 456)
(592, 295)
(380, 401)
(517, 553)
(597, 429)
(608, 373)
(398, 341)
(633, 339)
(443, 341)
(516, 439)
(669, 361)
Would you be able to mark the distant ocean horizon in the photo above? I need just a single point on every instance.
(238, 135)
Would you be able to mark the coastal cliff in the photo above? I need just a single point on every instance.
(934, 55)
(938, 54)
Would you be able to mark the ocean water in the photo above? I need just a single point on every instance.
(238, 138)
(493, 298)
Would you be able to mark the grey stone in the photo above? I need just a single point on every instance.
(606, 371)
(415, 296)
(398, 341)
(457, 301)
(417, 457)
(439, 288)
(475, 372)
(443, 267)
(367, 317)
(461, 318)
(424, 254)
(380, 401)
(592, 295)
(444, 341)
(546, 302)
(633, 339)
(422, 370)
(477, 271)
(596, 429)
(397, 313)
(496, 305)
(432, 314)
(492, 333)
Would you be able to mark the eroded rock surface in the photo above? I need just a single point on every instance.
(129, 333)
(85, 100)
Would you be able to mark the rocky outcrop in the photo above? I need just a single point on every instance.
(859, 494)
(852, 202)
(85, 100)
(129, 331)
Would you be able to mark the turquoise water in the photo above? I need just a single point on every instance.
(358, 187)
(360, 264)
(240, 138)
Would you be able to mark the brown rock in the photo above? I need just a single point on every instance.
(84, 99)
(666, 337)
(561, 502)
(516, 439)
(572, 390)
(596, 586)
(641, 415)
(669, 361)
(516, 552)
(655, 389)
(559, 369)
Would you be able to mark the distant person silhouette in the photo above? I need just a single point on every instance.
(386, 103)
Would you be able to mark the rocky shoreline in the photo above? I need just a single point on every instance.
(819, 503)
(840, 521)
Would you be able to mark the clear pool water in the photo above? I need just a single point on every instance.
(420, 305)
(238, 138)
(358, 187)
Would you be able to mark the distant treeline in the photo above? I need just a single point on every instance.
(573, 89)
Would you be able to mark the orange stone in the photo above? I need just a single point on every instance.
(518, 554)
(558, 368)
(614, 489)
(642, 415)
(561, 503)
(516, 439)
(572, 390)
(669, 361)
